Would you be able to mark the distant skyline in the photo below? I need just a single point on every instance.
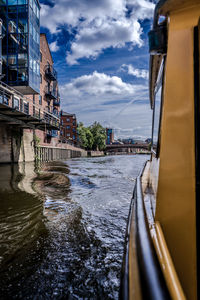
(100, 50)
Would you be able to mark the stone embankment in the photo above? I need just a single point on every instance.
(95, 153)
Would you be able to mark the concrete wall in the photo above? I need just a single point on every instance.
(16, 144)
(95, 153)
(52, 154)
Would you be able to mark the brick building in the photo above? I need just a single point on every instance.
(49, 97)
(68, 129)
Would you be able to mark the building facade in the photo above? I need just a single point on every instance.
(109, 136)
(68, 130)
(21, 44)
(49, 97)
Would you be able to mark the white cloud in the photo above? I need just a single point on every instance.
(109, 100)
(99, 85)
(98, 24)
(139, 73)
(53, 46)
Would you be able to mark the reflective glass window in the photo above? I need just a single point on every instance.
(22, 60)
(12, 2)
(23, 43)
(12, 43)
(34, 66)
(38, 12)
(12, 74)
(31, 28)
(12, 26)
(157, 110)
(38, 69)
(34, 34)
(12, 60)
(2, 2)
(34, 8)
(31, 3)
(22, 74)
(22, 25)
(22, 2)
(38, 38)
(30, 62)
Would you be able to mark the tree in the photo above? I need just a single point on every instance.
(82, 135)
(92, 137)
(99, 135)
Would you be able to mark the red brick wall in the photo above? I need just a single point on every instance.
(47, 103)
(71, 132)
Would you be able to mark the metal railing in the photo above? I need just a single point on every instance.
(50, 92)
(50, 72)
(17, 101)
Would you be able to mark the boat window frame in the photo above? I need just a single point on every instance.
(160, 83)
(196, 43)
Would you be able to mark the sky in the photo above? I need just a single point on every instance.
(100, 51)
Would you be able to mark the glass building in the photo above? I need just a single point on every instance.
(21, 44)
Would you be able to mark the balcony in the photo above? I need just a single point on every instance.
(51, 93)
(56, 102)
(16, 109)
(51, 73)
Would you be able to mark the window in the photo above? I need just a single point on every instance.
(68, 120)
(157, 109)
(68, 134)
(74, 137)
(16, 103)
(41, 56)
(40, 99)
(40, 78)
(68, 127)
(33, 99)
(38, 69)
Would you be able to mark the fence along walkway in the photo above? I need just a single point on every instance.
(15, 106)
(51, 154)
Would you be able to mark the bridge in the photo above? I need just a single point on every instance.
(127, 148)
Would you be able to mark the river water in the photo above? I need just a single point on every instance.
(62, 227)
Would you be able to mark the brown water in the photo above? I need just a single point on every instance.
(62, 227)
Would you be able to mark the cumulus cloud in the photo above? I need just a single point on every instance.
(99, 85)
(98, 24)
(109, 100)
(53, 46)
(139, 73)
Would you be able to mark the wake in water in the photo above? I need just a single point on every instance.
(63, 228)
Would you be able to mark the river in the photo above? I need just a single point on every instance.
(62, 227)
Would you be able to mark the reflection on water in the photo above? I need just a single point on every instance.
(62, 227)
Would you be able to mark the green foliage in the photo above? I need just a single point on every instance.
(36, 140)
(99, 134)
(92, 137)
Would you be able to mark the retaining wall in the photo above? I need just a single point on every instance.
(44, 153)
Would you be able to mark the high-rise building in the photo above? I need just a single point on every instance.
(21, 44)
(109, 136)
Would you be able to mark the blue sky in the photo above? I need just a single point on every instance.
(100, 51)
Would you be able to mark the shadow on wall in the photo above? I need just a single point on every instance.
(16, 144)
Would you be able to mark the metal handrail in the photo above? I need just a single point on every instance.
(50, 70)
(11, 91)
(153, 285)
